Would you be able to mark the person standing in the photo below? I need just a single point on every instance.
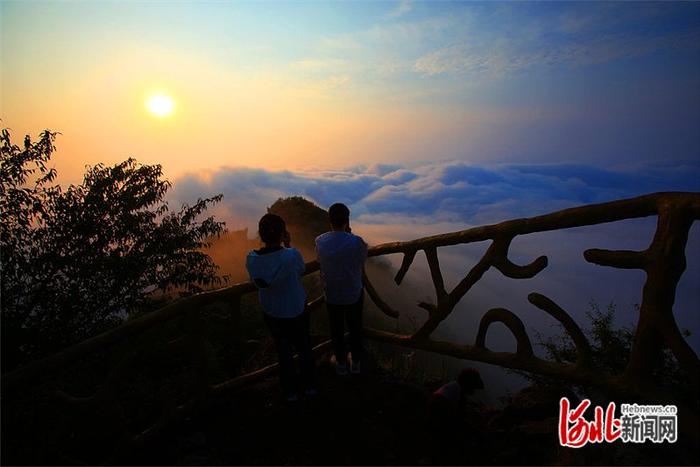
(341, 255)
(276, 270)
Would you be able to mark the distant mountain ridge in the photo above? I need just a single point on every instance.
(305, 221)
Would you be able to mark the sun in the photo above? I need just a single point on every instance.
(160, 105)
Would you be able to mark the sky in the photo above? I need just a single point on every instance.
(330, 85)
(424, 117)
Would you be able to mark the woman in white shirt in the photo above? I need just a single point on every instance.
(276, 270)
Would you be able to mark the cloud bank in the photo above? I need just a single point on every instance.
(453, 192)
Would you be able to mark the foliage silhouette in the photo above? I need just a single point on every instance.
(78, 260)
(305, 221)
(610, 348)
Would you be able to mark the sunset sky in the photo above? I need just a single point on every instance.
(332, 85)
(422, 117)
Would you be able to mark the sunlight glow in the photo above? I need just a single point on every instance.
(160, 105)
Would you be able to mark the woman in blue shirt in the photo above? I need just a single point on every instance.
(276, 270)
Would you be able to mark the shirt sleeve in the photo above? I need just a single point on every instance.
(362, 247)
(299, 265)
(247, 268)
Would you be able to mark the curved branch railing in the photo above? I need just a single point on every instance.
(663, 262)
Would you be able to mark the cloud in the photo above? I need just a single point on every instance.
(401, 8)
(335, 81)
(319, 65)
(510, 55)
(453, 192)
(610, 16)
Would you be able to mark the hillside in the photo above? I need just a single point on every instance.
(378, 418)
(305, 221)
(375, 418)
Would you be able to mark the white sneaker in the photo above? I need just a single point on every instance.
(311, 392)
(341, 369)
(292, 398)
(355, 368)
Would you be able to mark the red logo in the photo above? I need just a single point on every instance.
(575, 431)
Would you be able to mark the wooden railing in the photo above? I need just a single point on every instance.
(663, 262)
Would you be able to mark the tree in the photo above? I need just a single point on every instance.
(79, 260)
(610, 350)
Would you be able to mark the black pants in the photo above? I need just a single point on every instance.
(337, 317)
(292, 334)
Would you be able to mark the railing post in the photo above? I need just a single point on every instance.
(197, 349)
(665, 263)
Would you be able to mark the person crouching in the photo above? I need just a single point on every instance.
(449, 417)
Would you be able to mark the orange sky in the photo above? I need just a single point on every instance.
(310, 85)
(221, 118)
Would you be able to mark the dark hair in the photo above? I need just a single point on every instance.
(338, 214)
(271, 228)
(469, 379)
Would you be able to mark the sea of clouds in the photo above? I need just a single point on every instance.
(454, 192)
